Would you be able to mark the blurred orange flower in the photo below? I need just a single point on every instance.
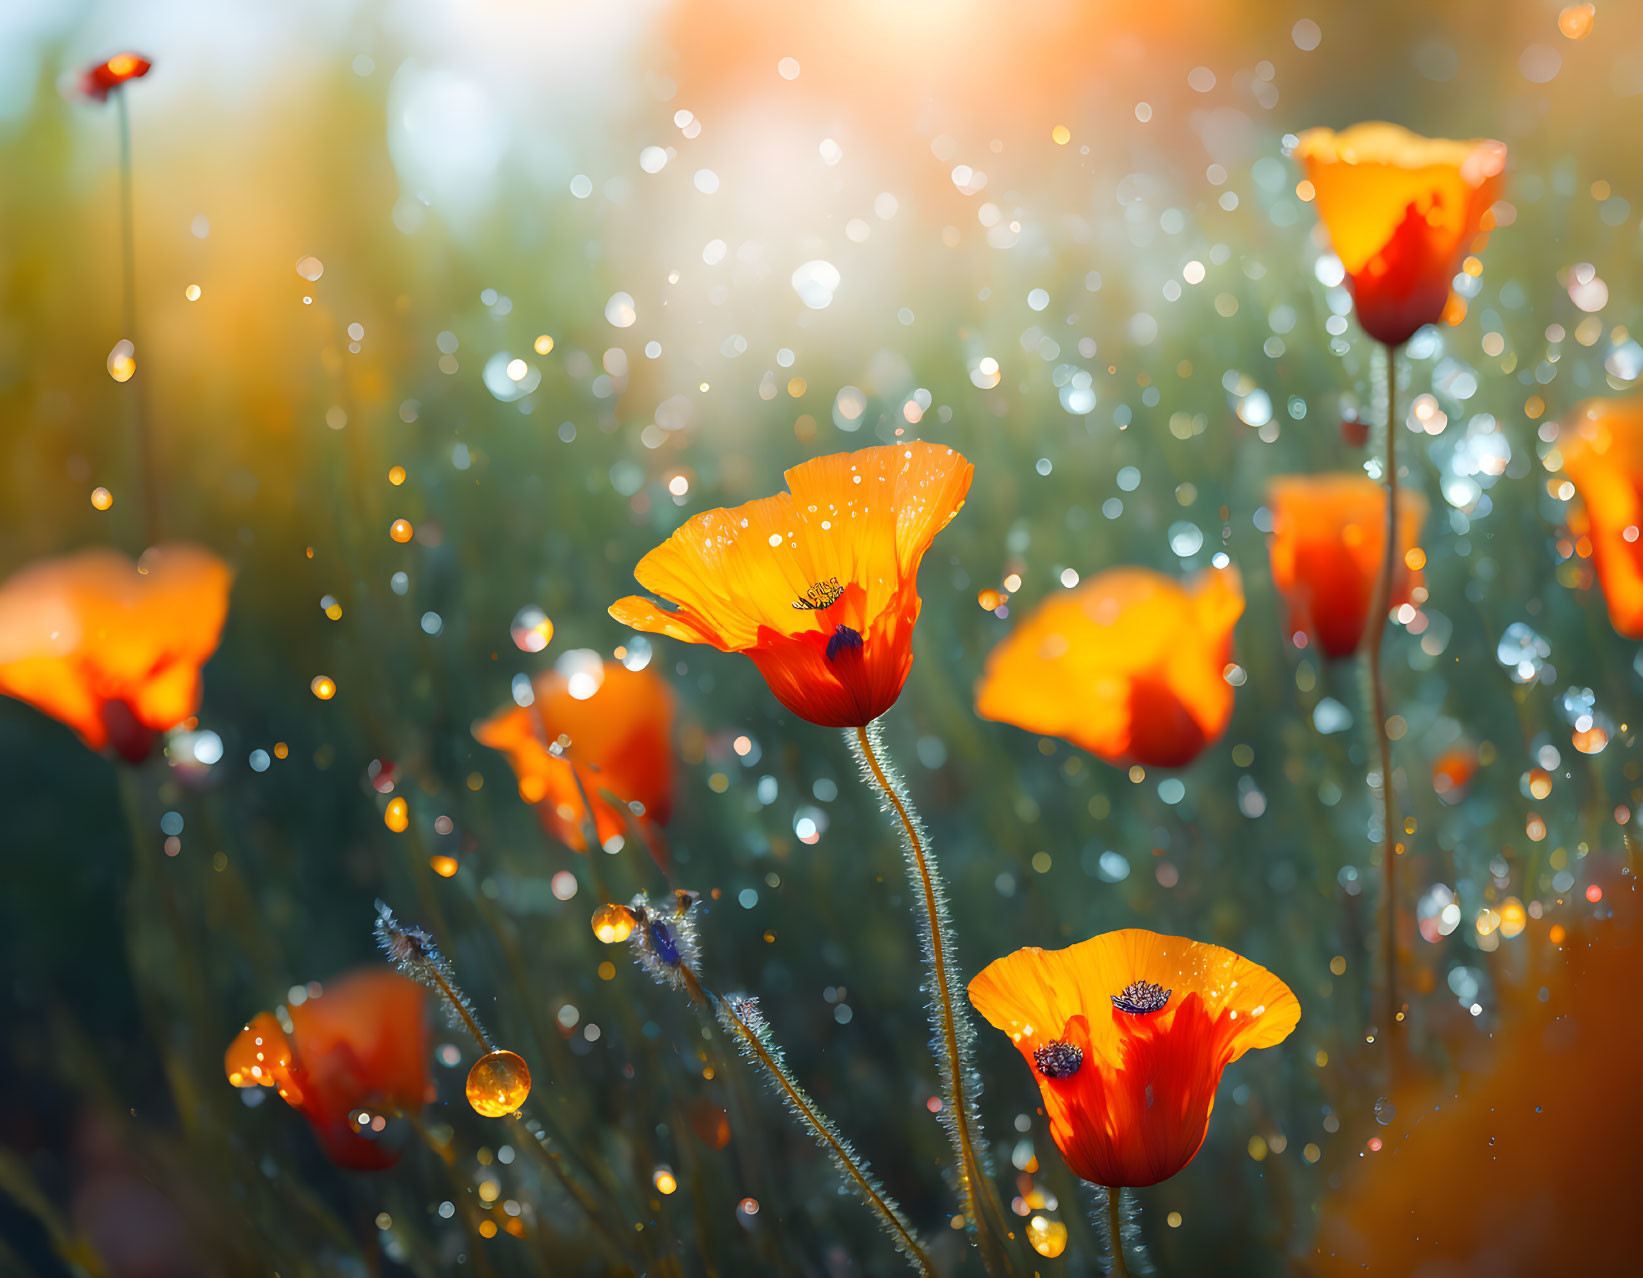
(620, 728)
(1128, 1033)
(99, 81)
(360, 1044)
(1328, 537)
(1603, 457)
(111, 648)
(818, 585)
(1453, 770)
(1401, 211)
(1128, 666)
(1523, 1163)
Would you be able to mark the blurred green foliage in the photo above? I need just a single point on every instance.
(127, 972)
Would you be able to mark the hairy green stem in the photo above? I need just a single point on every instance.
(1115, 1232)
(952, 1034)
(754, 1042)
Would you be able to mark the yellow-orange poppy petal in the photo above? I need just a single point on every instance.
(1603, 457)
(1401, 212)
(1195, 671)
(1128, 666)
(818, 584)
(643, 614)
(1034, 992)
(731, 573)
(901, 493)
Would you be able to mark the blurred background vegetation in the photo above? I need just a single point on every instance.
(1063, 238)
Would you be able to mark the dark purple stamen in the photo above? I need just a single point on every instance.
(662, 937)
(844, 640)
(1139, 998)
(1058, 1060)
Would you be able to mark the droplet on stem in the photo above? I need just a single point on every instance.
(498, 1083)
(613, 923)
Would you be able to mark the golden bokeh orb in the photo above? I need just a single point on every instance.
(1048, 1237)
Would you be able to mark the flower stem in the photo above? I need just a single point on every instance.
(128, 254)
(952, 1034)
(742, 1018)
(822, 1130)
(1379, 607)
(1115, 1232)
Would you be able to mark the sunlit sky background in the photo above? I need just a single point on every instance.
(713, 206)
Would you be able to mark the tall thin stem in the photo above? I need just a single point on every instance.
(1379, 608)
(1115, 1232)
(414, 953)
(820, 1128)
(146, 482)
(745, 1022)
(952, 1033)
(459, 1004)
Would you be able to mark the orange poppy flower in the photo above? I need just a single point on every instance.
(1603, 457)
(99, 81)
(818, 584)
(1129, 666)
(620, 727)
(1328, 538)
(360, 1044)
(1401, 211)
(1128, 1033)
(113, 649)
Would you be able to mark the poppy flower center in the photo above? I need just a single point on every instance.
(1057, 1059)
(1139, 998)
(844, 640)
(822, 595)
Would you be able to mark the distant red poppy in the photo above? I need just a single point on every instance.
(99, 81)
(1453, 770)
(111, 648)
(619, 724)
(1328, 538)
(361, 1044)
(1402, 211)
(1130, 666)
(818, 585)
(1127, 1034)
